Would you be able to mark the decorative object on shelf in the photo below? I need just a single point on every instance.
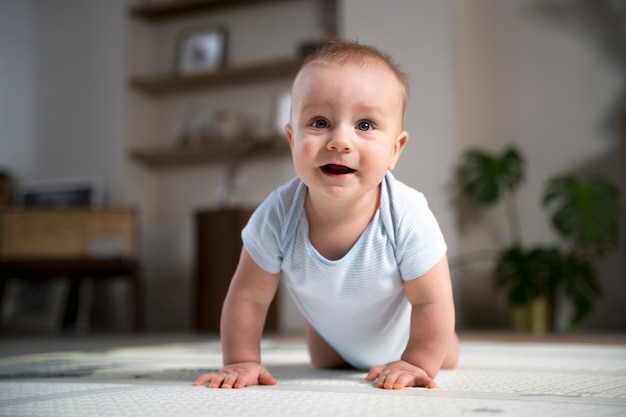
(191, 131)
(229, 193)
(200, 128)
(201, 49)
(228, 125)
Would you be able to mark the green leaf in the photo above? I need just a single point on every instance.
(484, 177)
(579, 280)
(585, 213)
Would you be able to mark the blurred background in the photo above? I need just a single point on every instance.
(172, 108)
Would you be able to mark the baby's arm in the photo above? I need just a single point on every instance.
(241, 326)
(432, 341)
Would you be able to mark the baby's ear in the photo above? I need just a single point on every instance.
(289, 132)
(398, 146)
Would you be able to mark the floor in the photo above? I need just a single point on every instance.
(503, 375)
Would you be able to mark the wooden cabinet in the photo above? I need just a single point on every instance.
(218, 245)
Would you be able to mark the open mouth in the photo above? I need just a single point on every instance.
(334, 169)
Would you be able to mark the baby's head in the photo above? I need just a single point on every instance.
(346, 53)
(346, 127)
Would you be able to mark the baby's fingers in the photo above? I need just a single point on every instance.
(428, 382)
(231, 380)
(393, 381)
(266, 378)
(235, 378)
(374, 373)
(207, 379)
(222, 380)
(398, 375)
(403, 380)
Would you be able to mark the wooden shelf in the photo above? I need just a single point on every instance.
(179, 8)
(210, 152)
(230, 75)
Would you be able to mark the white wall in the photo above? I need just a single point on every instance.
(62, 74)
(17, 95)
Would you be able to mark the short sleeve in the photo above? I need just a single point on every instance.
(420, 244)
(261, 235)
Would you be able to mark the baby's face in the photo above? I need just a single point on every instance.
(346, 128)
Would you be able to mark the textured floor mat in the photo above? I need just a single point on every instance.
(492, 379)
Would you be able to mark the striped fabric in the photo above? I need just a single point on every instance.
(356, 303)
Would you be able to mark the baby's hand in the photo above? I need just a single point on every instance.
(400, 374)
(237, 375)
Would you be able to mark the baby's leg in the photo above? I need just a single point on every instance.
(452, 357)
(323, 356)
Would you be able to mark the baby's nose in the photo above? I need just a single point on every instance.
(340, 140)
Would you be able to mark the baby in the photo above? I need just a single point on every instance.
(360, 253)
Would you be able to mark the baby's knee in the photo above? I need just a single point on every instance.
(452, 358)
(450, 362)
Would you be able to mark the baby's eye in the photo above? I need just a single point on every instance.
(364, 126)
(320, 124)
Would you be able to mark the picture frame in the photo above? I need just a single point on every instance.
(63, 192)
(201, 49)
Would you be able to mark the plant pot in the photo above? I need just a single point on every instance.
(534, 316)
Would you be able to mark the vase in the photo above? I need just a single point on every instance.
(534, 316)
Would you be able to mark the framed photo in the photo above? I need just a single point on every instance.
(65, 192)
(201, 49)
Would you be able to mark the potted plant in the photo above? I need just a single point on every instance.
(584, 213)
(527, 277)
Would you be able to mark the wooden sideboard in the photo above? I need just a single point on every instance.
(42, 245)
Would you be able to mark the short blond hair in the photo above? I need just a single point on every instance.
(343, 52)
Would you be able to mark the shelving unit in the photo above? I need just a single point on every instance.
(209, 152)
(176, 83)
(157, 85)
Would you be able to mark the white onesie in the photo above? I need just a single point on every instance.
(357, 303)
